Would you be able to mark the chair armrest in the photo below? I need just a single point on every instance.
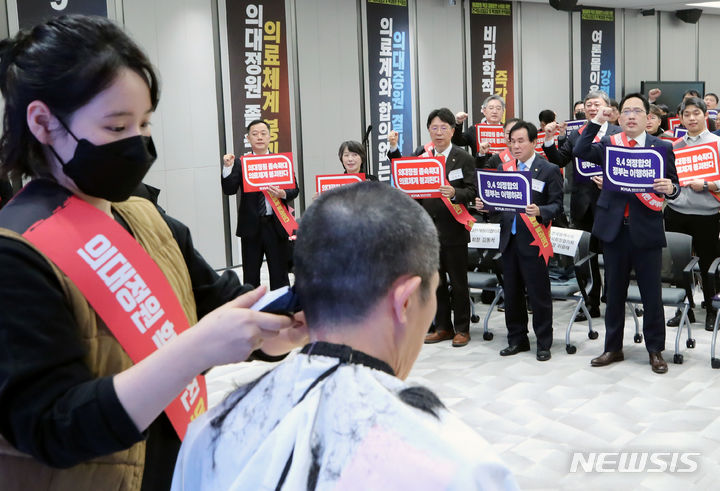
(581, 273)
(713, 270)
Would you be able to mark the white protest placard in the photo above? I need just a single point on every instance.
(565, 240)
(485, 236)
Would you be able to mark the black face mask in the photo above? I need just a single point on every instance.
(580, 115)
(111, 171)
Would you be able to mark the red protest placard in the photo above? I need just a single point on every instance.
(493, 134)
(263, 171)
(331, 181)
(673, 122)
(420, 177)
(697, 162)
(541, 142)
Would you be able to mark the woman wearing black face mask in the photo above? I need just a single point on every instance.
(91, 282)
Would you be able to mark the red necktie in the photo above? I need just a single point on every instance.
(631, 144)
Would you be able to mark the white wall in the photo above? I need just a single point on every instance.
(329, 82)
(545, 64)
(440, 61)
(178, 37)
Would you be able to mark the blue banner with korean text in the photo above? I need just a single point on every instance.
(633, 170)
(389, 80)
(597, 50)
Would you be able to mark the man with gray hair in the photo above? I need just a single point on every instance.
(339, 414)
(493, 109)
(584, 193)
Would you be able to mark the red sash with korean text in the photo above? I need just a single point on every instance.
(651, 200)
(457, 211)
(123, 285)
(540, 232)
(283, 214)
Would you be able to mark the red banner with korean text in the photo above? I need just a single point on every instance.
(262, 171)
(492, 134)
(697, 162)
(324, 183)
(258, 66)
(124, 285)
(491, 49)
(420, 177)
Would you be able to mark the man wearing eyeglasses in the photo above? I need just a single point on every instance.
(454, 237)
(584, 193)
(493, 110)
(632, 233)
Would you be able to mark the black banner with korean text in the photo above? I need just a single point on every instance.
(33, 12)
(258, 64)
(389, 80)
(597, 50)
(491, 51)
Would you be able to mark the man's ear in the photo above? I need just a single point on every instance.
(402, 290)
(41, 121)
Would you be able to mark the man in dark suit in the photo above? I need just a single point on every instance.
(523, 267)
(454, 237)
(632, 233)
(493, 109)
(260, 231)
(584, 193)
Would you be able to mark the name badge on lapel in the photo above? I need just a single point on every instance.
(455, 174)
(538, 185)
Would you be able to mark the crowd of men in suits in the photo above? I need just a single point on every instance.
(628, 229)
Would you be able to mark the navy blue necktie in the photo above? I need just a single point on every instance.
(513, 230)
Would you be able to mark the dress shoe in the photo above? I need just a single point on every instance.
(657, 363)
(594, 313)
(461, 339)
(675, 320)
(607, 358)
(710, 320)
(514, 349)
(543, 355)
(437, 336)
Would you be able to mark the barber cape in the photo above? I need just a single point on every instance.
(334, 418)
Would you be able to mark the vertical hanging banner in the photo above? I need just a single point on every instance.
(258, 65)
(597, 50)
(33, 12)
(491, 52)
(389, 81)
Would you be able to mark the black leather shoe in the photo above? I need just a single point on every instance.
(543, 355)
(607, 358)
(594, 313)
(710, 320)
(657, 363)
(514, 349)
(675, 320)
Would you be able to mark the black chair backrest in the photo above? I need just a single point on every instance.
(675, 256)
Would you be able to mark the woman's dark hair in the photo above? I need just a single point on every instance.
(355, 147)
(64, 62)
